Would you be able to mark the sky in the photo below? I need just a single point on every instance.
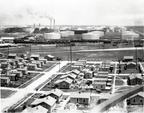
(72, 12)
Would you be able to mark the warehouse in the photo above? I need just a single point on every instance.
(81, 98)
(4, 80)
(7, 39)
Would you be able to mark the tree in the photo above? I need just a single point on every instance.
(36, 30)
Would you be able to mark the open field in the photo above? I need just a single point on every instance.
(6, 93)
(64, 52)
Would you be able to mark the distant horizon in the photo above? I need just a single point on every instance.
(72, 25)
(72, 12)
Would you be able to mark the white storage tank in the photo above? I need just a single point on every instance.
(64, 34)
(71, 33)
(90, 36)
(101, 33)
(52, 35)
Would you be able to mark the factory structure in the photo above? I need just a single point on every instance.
(130, 35)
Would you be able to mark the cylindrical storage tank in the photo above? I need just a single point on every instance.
(90, 36)
(98, 32)
(64, 34)
(52, 35)
(71, 33)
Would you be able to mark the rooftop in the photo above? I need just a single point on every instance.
(37, 109)
(68, 80)
(35, 56)
(69, 75)
(100, 83)
(132, 76)
(48, 100)
(76, 71)
(79, 95)
(57, 92)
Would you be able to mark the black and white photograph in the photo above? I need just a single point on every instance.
(72, 56)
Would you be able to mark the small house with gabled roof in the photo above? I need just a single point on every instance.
(64, 83)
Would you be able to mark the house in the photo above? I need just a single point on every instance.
(64, 83)
(31, 66)
(79, 65)
(20, 59)
(128, 58)
(84, 70)
(109, 84)
(11, 62)
(18, 74)
(75, 71)
(41, 62)
(103, 98)
(131, 65)
(100, 79)
(101, 74)
(1, 71)
(104, 68)
(99, 85)
(13, 77)
(88, 75)
(37, 63)
(70, 75)
(37, 109)
(56, 94)
(23, 70)
(137, 99)
(80, 98)
(20, 65)
(35, 57)
(49, 103)
(12, 56)
(44, 60)
(1, 54)
(49, 57)
(3, 60)
(5, 65)
(135, 79)
(4, 80)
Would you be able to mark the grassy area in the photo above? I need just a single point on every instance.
(119, 82)
(6, 93)
(30, 81)
(64, 52)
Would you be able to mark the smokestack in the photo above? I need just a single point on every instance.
(34, 26)
(50, 23)
(53, 23)
(39, 25)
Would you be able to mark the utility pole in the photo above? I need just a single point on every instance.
(8, 50)
(30, 48)
(136, 56)
(70, 53)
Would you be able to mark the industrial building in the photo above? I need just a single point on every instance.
(130, 36)
(90, 36)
